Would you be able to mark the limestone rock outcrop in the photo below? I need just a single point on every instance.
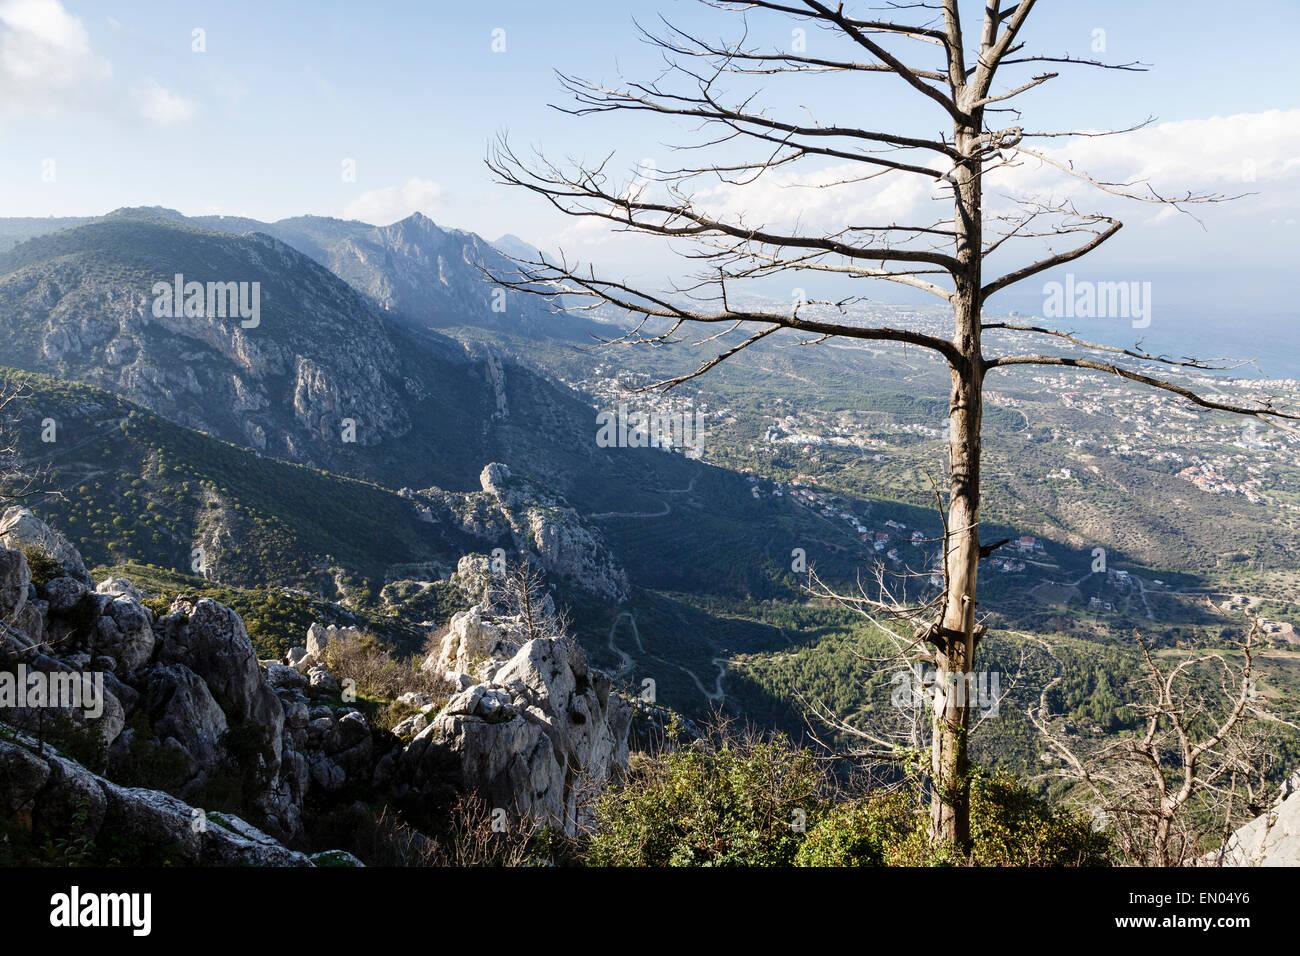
(20, 529)
(183, 697)
(473, 645)
(538, 729)
(540, 524)
(61, 795)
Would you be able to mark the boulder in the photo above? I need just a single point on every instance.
(209, 639)
(320, 636)
(180, 706)
(335, 858)
(154, 821)
(22, 777)
(529, 740)
(66, 799)
(57, 694)
(511, 764)
(322, 681)
(28, 628)
(325, 773)
(410, 726)
(20, 529)
(72, 803)
(112, 720)
(295, 715)
(350, 746)
(283, 677)
(126, 632)
(64, 593)
(120, 587)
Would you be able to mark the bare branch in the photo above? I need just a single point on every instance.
(1266, 411)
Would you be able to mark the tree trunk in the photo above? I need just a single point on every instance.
(950, 800)
(955, 639)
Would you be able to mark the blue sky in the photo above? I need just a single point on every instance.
(262, 121)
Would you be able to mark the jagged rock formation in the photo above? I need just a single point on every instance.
(537, 522)
(59, 795)
(320, 636)
(473, 645)
(532, 729)
(87, 661)
(184, 696)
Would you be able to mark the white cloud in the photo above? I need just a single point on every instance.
(578, 233)
(1231, 155)
(46, 61)
(1201, 152)
(160, 105)
(384, 206)
(813, 201)
(48, 65)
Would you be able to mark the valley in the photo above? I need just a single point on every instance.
(221, 454)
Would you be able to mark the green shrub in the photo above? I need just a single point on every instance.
(718, 801)
(1010, 826)
(376, 673)
(861, 833)
(43, 567)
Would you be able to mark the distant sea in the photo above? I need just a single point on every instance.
(1273, 342)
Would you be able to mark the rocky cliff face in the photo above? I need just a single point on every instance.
(531, 519)
(333, 375)
(422, 275)
(317, 354)
(183, 699)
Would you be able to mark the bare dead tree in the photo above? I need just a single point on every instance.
(1196, 771)
(964, 84)
(906, 735)
(521, 592)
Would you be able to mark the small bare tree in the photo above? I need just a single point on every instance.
(963, 83)
(20, 478)
(1196, 769)
(521, 592)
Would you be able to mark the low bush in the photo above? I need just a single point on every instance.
(1010, 826)
(721, 800)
